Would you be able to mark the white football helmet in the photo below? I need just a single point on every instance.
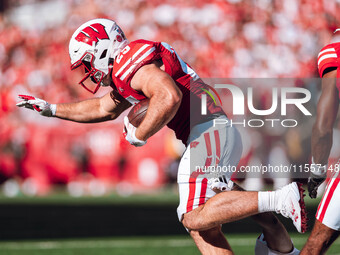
(94, 44)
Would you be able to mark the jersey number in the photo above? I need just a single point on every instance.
(124, 51)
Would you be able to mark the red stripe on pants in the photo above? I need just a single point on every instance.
(192, 189)
(323, 198)
(203, 191)
(209, 152)
(218, 146)
(194, 175)
(328, 199)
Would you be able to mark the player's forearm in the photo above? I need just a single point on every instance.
(322, 140)
(160, 112)
(327, 110)
(87, 111)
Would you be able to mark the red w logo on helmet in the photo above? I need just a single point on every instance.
(92, 33)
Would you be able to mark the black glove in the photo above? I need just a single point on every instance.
(313, 185)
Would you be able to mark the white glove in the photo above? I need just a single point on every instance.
(38, 105)
(220, 184)
(129, 132)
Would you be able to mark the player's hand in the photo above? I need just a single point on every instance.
(129, 132)
(318, 174)
(38, 105)
(313, 185)
(220, 183)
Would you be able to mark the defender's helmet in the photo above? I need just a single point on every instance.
(93, 45)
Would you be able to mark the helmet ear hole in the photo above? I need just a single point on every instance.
(103, 55)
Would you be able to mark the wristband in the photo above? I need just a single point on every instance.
(53, 109)
(138, 140)
(318, 170)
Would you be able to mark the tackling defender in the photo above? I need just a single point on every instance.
(327, 224)
(145, 69)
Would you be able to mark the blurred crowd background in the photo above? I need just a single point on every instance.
(219, 38)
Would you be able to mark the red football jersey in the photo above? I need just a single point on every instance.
(142, 52)
(328, 57)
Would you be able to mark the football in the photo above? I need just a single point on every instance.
(138, 111)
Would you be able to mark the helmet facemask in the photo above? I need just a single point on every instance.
(96, 76)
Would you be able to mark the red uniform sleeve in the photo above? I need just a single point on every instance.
(139, 53)
(328, 57)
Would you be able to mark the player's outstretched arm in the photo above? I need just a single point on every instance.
(165, 98)
(322, 135)
(108, 107)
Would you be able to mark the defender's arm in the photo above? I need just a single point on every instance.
(327, 110)
(322, 135)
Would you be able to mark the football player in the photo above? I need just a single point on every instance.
(145, 69)
(327, 224)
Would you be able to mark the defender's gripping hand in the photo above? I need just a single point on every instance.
(313, 185)
(129, 132)
(318, 175)
(38, 105)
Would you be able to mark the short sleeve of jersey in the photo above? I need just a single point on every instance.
(328, 57)
(132, 57)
